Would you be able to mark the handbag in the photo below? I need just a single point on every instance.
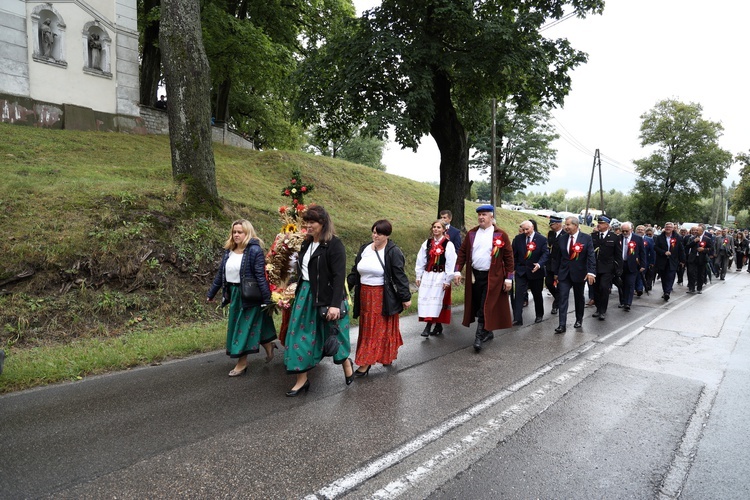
(250, 290)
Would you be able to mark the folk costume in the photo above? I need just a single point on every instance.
(248, 325)
(322, 271)
(488, 257)
(435, 263)
(381, 288)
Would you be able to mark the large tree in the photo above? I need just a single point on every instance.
(686, 163)
(431, 66)
(741, 196)
(186, 74)
(148, 24)
(523, 149)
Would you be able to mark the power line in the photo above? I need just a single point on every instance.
(554, 23)
(568, 137)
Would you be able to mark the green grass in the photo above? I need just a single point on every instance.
(121, 272)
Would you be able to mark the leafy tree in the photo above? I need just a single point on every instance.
(522, 144)
(483, 190)
(741, 196)
(686, 163)
(431, 66)
(365, 151)
(150, 75)
(187, 77)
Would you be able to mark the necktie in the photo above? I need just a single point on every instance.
(625, 243)
(570, 249)
(528, 240)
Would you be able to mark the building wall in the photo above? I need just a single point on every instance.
(14, 61)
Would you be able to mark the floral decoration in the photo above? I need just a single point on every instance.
(296, 189)
(631, 246)
(530, 247)
(436, 251)
(497, 244)
(577, 249)
(672, 242)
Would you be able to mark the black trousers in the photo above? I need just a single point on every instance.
(523, 283)
(602, 288)
(696, 274)
(564, 287)
(479, 294)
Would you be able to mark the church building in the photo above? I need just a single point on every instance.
(71, 64)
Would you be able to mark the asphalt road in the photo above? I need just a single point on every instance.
(648, 404)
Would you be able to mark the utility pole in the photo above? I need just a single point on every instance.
(597, 162)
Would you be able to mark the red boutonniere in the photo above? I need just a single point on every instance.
(702, 244)
(497, 244)
(577, 249)
(645, 243)
(436, 251)
(631, 246)
(530, 248)
(725, 242)
(672, 242)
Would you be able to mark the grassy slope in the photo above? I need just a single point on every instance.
(118, 266)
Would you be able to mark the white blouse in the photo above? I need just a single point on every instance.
(450, 261)
(232, 268)
(369, 268)
(306, 260)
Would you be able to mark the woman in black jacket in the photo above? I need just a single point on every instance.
(249, 326)
(381, 293)
(318, 308)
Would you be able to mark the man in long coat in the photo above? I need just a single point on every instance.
(487, 254)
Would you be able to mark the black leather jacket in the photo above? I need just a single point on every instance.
(326, 270)
(396, 283)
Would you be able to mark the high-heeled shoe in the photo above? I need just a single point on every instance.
(426, 332)
(236, 373)
(350, 378)
(359, 374)
(269, 357)
(293, 393)
(438, 329)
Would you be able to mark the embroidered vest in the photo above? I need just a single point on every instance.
(431, 265)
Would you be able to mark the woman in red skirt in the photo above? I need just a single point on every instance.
(381, 293)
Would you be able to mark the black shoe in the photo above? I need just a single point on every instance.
(666, 296)
(358, 374)
(602, 317)
(722, 279)
(554, 310)
(578, 324)
(639, 293)
(620, 306)
(487, 335)
(293, 393)
(627, 308)
(596, 314)
(477, 342)
(700, 291)
(350, 378)
(426, 331)
(518, 323)
(679, 282)
(690, 291)
(438, 330)
(560, 329)
(538, 319)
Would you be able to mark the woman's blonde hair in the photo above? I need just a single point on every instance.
(249, 234)
(438, 221)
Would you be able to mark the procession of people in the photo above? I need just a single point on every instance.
(497, 269)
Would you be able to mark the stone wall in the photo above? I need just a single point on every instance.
(156, 122)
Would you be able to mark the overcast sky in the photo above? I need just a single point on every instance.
(640, 52)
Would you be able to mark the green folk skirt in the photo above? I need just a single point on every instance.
(247, 328)
(307, 332)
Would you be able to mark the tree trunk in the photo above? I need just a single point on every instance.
(187, 76)
(151, 57)
(222, 101)
(452, 141)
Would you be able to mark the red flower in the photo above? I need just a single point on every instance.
(303, 189)
(294, 181)
(672, 242)
(497, 244)
(702, 244)
(282, 210)
(286, 192)
(296, 201)
(577, 249)
(530, 247)
(631, 246)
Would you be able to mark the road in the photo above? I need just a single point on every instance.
(648, 404)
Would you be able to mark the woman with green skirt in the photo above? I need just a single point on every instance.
(249, 325)
(321, 266)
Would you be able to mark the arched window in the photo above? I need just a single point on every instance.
(48, 29)
(96, 49)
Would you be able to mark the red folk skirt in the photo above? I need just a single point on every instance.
(379, 336)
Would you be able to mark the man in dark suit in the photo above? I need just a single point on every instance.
(633, 262)
(555, 228)
(454, 234)
(670, 254)
(608, 264)
(573, 265)
(530, 256)
(723, 250)
(697, 248)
